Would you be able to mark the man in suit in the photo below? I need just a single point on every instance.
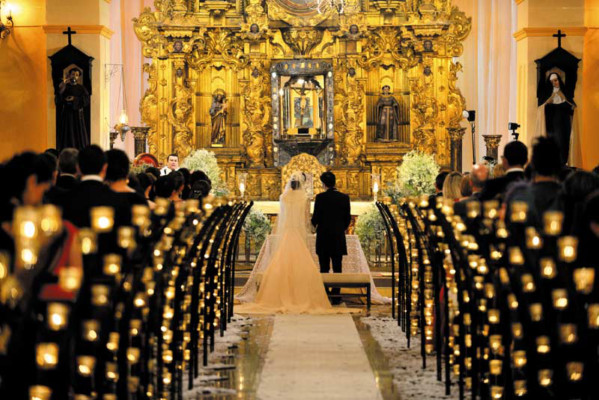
(515, 156)
(67, 168)
(172, 164)
(546, 165)
(92, 192)
(331, 218)
(479, 175)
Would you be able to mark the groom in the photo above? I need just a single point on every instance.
(331, 218)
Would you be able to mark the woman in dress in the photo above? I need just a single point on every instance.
(291, 283)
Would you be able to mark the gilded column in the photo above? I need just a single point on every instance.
(492, 144)
(455, 135)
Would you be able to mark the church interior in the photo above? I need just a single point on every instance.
(299, 199)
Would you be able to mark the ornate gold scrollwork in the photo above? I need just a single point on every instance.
(149, 108)
(220, 44)
(256, 112)
(349, 100)
(179, 115)
(305, 163)
(302, 40)
(384, 47)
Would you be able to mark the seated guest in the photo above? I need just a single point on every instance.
(452, 186)
(478, 177)
(199, 190)
(575, 190)
(117, 174)
(165, 188)
(466, 186)
(155, 172)
(92, 192)
(515, 156)
(546, 166)
(439, 180)
(67, 169)
(179, 182)
(187, 185)
(146, 184)
(172, 164)
(200, 176)
(498, 170)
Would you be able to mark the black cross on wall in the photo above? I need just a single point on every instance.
(71, 32)
(559, 35)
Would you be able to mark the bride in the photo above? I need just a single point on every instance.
(291, 283)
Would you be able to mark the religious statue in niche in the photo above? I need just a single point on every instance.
(218, 116)
(71, 100)
(387, 117)
(303, 111)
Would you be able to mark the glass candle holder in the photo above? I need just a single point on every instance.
(112, 373)
(100, 295)
(568, 333)
(140, 216)
(552, 222)
(519, 211)
(113, 341)
(51, 220)
(545, 377)
(46, 355)
(133, 354)
(135, 327)
(58, 316)
(490, 208)
(88, 240)
(493, 316)
(520, 388)
(126, 238)
(574, 371)
(112, 264)
(102, 219)
(519, 358)
(501, 230)
(548, 270)
(543, 345)
(536, 312)
(86, 365)
(472, 209)
(584, 279)
(39, 392)
(528, 283)
(495, 343)
(568, 246)
(496, 392)
(512, 301)
(90, 330)
(70, 278)
(495, 367)
(560, 298)
(593, 315)
(533, 239)
(515, 256)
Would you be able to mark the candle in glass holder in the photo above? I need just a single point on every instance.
(548, 270)
(584, 279)
(4, 264)
(112, 264)
(58, 316)
(112, 373)
(490, 208)
(69, 278)
(528, 283)
(126, 238)
(472, 209)
(552, 222)
(593, 315)
(560, 298)
(113, 341)
(520, 388)
(140, 216)
(545, 377)
(46, 355)
(87, 238)
(519, 210)
(543, 346)
(568, 333)
(496, 392)
(517, 330)
(493, 316)
(133, 354)
(533, 240)
(86, 365)
(519, 358)
(135, 327)
(515, 256)
(51, 220)
(568, 246)
(501, 230)
(90, 330)
(536, 312)
(512, 301)
(102, 219)
(495, 367)
(39, 392)
(574, 370)
(495, 343)
(100, 295)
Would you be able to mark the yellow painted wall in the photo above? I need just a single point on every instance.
(590, 90)
(23, 71)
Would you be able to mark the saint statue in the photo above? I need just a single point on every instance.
(303, 111)
(555, 114)
(387, 116)
(71, 100)
(218, 115)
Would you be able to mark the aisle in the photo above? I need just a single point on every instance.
(316, 357)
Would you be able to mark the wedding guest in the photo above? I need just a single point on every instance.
(179, 182)
(478, 177)
(576, 188)
(546, 165)
(165, 188)
(153, 171)
(67, 168)
(200, 176)
(498, 171)
(117, 174)
(452, 186)
(146, 183)
(515, 156)
(588, 231)
(172, 164)
(187, 184)
(92, 192)
(439, 180)
(466, 186)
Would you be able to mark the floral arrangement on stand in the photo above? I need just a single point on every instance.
(204, 160)
(415, 176)
(370, 229)
(256, 228)
(138, 169)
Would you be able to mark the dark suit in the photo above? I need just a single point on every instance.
(461, 207)
(60, 192)
(67, 182)
(331, 218)
(496, 188)
(89, 194)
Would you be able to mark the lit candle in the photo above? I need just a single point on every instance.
(140, 216)
(520, 388)
(517, 330)
(560, 298)
(545, 377)
(472, 209)
(91, 329)
(528, 283)
(58, 315)
(548, 270)
(536, 312)
(87, 237)
(593, 315)
(113, 341)
(568, 333)
(86, 365)
(519, 358)
(100, 295)
(574, 370)
(39, 392)
(126, 238)
(112, 264)
(552, 222)
(111, 373)
(567, 248)
(69, 278)
(133, 355)
(496, 392)
(519, 211)
(515, 255)
(495, 343)
(495, 367)
(533, 240)
(47, 355)
(51, 220)
(584, 279)
(102, 219)
(494, 316)
(543, 346)
(490, 209)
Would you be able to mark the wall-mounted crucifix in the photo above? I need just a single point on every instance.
(559, 35)
(69, 32)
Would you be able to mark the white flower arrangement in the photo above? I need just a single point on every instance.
(257, 227)
(415, 176)
(204, 160)
(370, 228)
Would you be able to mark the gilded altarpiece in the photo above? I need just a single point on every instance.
(200, 50)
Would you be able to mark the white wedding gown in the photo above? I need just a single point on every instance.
(291, 283)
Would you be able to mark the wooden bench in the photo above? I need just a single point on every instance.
(344, 280)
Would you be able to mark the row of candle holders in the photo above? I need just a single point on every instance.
(507, 309)
(140, 316)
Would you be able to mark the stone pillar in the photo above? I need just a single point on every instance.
(492, 144)
(456, 134)
(140, 134)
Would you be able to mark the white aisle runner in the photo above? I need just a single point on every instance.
(316, 357)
